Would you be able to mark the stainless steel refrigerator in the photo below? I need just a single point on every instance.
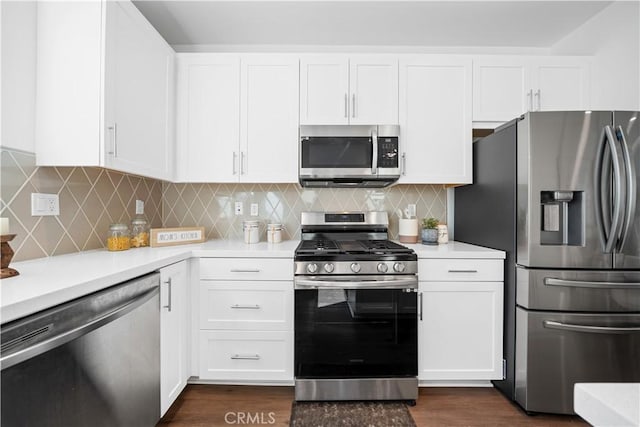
(558, 191)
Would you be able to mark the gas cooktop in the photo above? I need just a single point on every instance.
(350, 247)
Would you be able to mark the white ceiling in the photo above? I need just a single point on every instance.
(532, 24)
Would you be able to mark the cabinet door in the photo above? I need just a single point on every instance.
(560, 84)
(501, 89)
(435, 119)
(373, 83)
(246, 356)
(138, 95)
(173, 336)
(460, 331)
(269, 119)
(324, 90)
(208, 118)
(246, 305)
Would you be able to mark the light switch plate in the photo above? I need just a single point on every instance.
(139, 207)
(239, 208)
(43, 204)
(411, 208)
(254, 209)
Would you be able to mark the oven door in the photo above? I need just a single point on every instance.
(363, 327)
(337, 157)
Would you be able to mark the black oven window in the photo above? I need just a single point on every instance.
(329, 152)
(348, 333)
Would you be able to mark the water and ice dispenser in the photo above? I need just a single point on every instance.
(562, 218)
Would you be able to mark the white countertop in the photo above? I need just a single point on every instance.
(608, 404)
(46, 282)
(455, 250)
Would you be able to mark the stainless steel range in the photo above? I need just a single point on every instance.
(356, 310)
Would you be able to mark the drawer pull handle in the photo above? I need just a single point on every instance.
(248, 270)
(250, 307)
(463, 271)
(245, 357)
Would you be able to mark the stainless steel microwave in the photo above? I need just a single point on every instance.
(349, 155)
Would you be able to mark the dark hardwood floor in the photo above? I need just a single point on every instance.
(217, 405)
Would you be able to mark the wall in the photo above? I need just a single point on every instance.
(18, 74)
(211, 205)
(90, 200)
(613, 38)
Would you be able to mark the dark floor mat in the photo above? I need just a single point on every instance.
(350, 414)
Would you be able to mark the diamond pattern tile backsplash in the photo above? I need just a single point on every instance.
(212, 205)
(90, 200)
(93, 198)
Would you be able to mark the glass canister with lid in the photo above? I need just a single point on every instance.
(274, 233)
(139, 232)
(118, 238)
(251, 231)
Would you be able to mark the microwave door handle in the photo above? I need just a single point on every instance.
(374, 142)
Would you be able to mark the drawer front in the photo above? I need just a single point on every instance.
(246, 269)
(246, 306)
(246, 356)
(461, 270)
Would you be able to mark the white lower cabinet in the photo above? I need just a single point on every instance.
(246, 356)
(173, 336)
(245, 320)
(461, 321)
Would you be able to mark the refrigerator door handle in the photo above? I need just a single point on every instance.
(602, 189)
(630, 199)
(552, 281)
(618, 201)
(550, 324)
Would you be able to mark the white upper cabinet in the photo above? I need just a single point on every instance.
(139, 95)
(340, 89)
(104, 89)
(560, 84)
(237, 118)
(208, 117)
(435, 120)
(505, 87)
(269, 119)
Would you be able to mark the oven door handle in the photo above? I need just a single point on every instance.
(363, 282)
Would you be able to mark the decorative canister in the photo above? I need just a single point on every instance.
(443, 234)
(118, 238)
(251, 231)
(274, 233)
(139, 232)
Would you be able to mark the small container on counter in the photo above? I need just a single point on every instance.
(443, 234)
(139, 232)
(274, 233)
(119, 238)
(251, 231)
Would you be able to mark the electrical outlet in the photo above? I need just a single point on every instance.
(139, 207)
(45, 204)
(239, 208)
(254, 209)
(411, 209)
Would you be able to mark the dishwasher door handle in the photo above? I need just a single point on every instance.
(71, 334)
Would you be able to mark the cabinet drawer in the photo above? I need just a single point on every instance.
(246, 268)
(248, 306)
(460, 269)
(246, 355)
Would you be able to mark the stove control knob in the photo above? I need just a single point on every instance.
(329, 268)
(312, 268)
(355, 267)
(382, 267)
(398, 267)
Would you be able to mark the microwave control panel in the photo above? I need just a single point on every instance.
(388, 152)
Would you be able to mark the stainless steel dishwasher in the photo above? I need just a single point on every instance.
(94, 361)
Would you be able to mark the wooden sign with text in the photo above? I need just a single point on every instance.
(176, 236)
